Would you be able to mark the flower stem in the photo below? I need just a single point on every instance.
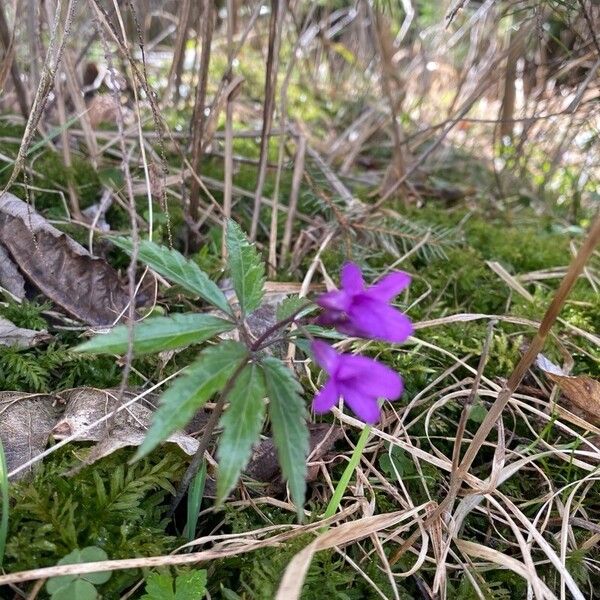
(340, 489)
(259, 343)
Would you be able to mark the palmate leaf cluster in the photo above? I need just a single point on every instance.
(117, 507)
(242, 373)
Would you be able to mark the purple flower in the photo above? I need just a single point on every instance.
(360, 381)
(366, 312)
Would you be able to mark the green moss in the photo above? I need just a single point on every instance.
(51, 176)
(26, 314)
(117, 507)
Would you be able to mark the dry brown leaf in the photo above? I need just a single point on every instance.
(87, 405)
(11, 335)
(86, 287)
(581, 391)
(28, 420)
(25, 424)
(104, 108)
(264, 464)
(10, 278)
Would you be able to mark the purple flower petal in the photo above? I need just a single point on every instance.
(351, 278)
(347, 327)
(369, 377)
(327, 398)
(390, 286)
(336, 300)
(332, 318)
(326, 356)
(378, 320)
(364, 407)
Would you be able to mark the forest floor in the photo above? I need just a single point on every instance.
(486, 254)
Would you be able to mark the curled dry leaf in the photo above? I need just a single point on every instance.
(25, 424)
(28, 420)
(11, 335)
(86, 405)
(86, 287)
(582, 392)
(10, 278)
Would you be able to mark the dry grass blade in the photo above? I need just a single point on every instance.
(501, 559)
(495, 411)
(9, 64)
(293, 202)
(227, 545)
(63, 17)
(295, 573)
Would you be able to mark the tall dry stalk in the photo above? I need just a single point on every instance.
(199, 116)
(275, 31)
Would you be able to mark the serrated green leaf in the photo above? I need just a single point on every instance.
(191, 586)
(189, 392)
(158, 333)
(241, 425)
(247, 268)
(159, 587)
(291, 305)
(288, 420)
(188, 586)
(176, 268)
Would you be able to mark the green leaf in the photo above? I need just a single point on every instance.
(288, 420)
(55, 584)
(94, 554)
(188, 586)
(194, 502)
(241, 423)
(178, 269)
(159, 587)
(189, 392)
(229, 594)
(191, 586)
(291, 305)
(247, 268)
(158, 333)
(78, 589)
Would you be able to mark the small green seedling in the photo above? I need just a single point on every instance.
(78, 587)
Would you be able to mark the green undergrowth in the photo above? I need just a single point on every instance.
(121, 508)
(115, 506)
